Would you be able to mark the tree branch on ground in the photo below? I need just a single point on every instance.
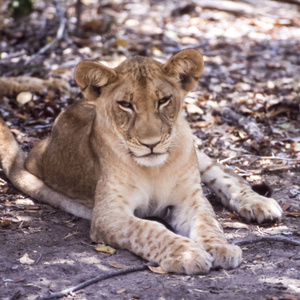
(296, 2)
(250, 127)
(233, 7)
(61, 32)
(95, 279)
(274, 238)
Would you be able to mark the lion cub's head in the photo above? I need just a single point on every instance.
(141, 99)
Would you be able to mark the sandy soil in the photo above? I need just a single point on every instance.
(251, 65)
(64, 256)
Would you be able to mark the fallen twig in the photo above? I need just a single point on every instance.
(78, 7)
(59, 35)
(266, 169)
(12, 55)
(295, 163)
(229, 6)
(295, 2)
(99, 277)
(259, 157)
(250, 127)
(274, 238)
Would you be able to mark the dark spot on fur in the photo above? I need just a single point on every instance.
(212, 181)
(206, 169)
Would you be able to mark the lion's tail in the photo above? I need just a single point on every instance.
(12, 160)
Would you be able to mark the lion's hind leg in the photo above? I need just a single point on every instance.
(12, 160)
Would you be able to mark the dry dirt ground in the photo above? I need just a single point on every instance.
(63, 256)
(252, 66)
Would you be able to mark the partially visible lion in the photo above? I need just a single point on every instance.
(125, 152)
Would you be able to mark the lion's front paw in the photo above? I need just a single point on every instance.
(188, 260)
(260, 209)
(225, 256)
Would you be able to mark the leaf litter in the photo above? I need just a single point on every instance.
(251, 68)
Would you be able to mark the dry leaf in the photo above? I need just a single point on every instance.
(18, 280)
(202, 124)
(121, 291)
(21, 116)
(32, 207)
(65, 73)
(116, 265)
(98, 26)
(293, 214)
(5, 223)
(194, 109)
(26, 260)
(158, 270)
(232, 216)
(16, 131)
(106, 249)
(285, 207)
(121, 43)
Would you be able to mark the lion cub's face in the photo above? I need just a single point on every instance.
(142, 98)
(145, 104)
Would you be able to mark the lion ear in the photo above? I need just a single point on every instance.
(91, 76)
(186, 66)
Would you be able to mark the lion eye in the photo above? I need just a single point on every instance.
(125, 105)
(164, 101)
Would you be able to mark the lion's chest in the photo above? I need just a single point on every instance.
(151, 194)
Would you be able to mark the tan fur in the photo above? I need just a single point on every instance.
(125, 153)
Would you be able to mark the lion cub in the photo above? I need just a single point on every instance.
(125, 152)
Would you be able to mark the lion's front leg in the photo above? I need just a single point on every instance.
(236, 193)
(113, 222)
(195, 218)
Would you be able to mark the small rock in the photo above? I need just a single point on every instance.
(25, 201)
(24, 97)
(243, 86)
(293, 193)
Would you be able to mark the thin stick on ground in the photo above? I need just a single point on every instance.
(59, 35)
(259, 157)
(78, 7)
(274, 238)
(99, 277)
(243, 172)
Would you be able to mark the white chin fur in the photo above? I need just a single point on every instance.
(151, 161)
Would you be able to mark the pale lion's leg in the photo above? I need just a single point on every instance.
(195, 218)
(236, 193)
(116, 226)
